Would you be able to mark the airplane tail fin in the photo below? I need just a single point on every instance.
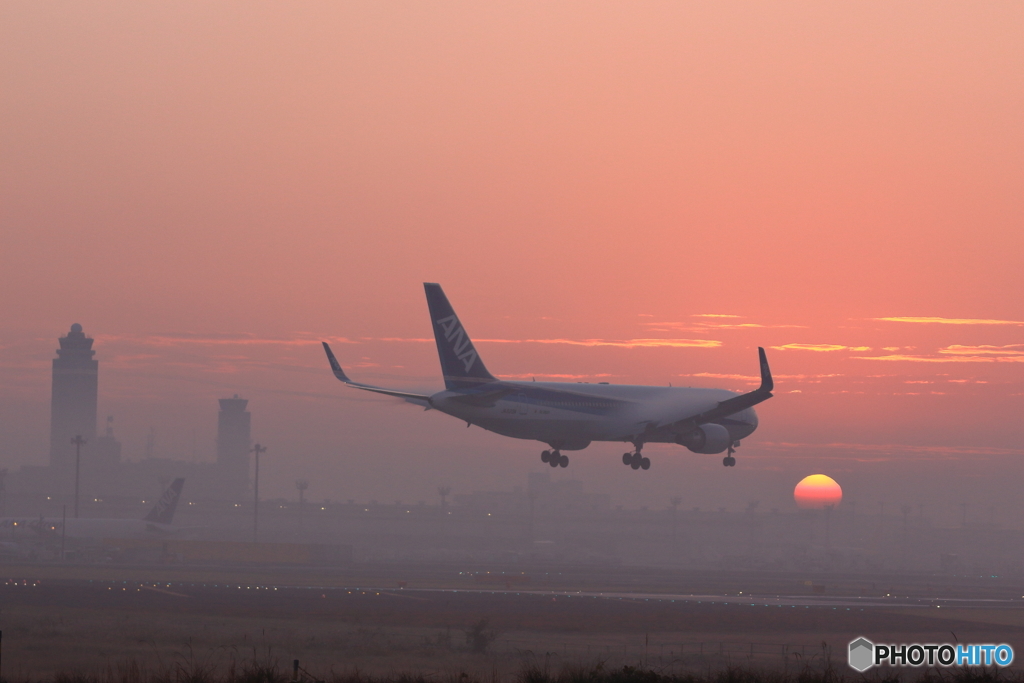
(461, 365)
(163, 511)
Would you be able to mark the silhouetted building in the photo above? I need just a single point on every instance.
(101, 464)
(233, 444)
(104, 473)
(73, 401)
(105, 450)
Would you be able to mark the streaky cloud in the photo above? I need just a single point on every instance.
(621, 343)
(984, 349)
(753, 378)
(183, 339)
(890, 448)
(740, 326)
(902, 357)
(820, 347)
(725, 375)
(214, 339)
(624, 343)
(690, 326)
(415, 340)
(948, 321)
(529, 375)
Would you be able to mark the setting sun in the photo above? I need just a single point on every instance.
(817, 492)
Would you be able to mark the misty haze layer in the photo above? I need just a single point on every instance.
(624, 194)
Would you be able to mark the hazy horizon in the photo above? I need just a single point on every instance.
(637, 194)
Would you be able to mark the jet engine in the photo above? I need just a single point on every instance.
(709, 438)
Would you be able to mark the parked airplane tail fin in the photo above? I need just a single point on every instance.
(163, 511)
(461, 365)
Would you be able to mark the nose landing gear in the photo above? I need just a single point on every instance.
(729, 461)
(554, 458)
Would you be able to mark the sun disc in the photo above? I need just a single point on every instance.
(817, 492)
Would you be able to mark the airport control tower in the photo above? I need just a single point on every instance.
(73, 400)
(233, 443)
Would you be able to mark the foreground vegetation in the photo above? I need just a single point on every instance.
(270, 671)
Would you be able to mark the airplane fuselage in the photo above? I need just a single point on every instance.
(571, 416)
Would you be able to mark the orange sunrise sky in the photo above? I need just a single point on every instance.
(626, 192)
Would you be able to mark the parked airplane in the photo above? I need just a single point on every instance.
(570, 416)
(154, 525)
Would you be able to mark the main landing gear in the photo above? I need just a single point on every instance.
(635, 460)
(728, 460)
(554, 458)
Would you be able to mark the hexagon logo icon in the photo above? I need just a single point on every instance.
(862, 654)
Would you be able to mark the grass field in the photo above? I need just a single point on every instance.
(216, 625)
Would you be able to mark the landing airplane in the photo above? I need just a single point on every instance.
(156, 524)
(568, 417)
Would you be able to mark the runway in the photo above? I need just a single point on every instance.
(794, 601)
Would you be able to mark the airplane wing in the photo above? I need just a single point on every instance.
(419, 399)
(741, 402)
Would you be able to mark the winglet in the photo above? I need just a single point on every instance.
(743, 401)
(336, 367)
(767, 383)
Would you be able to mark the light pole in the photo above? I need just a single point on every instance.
(3, 492)
(78, 441)
(828, 526)
(443, 490)
(63, 529)
(302, 485)
(532, 495)
(257, 449)
(675, 501)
